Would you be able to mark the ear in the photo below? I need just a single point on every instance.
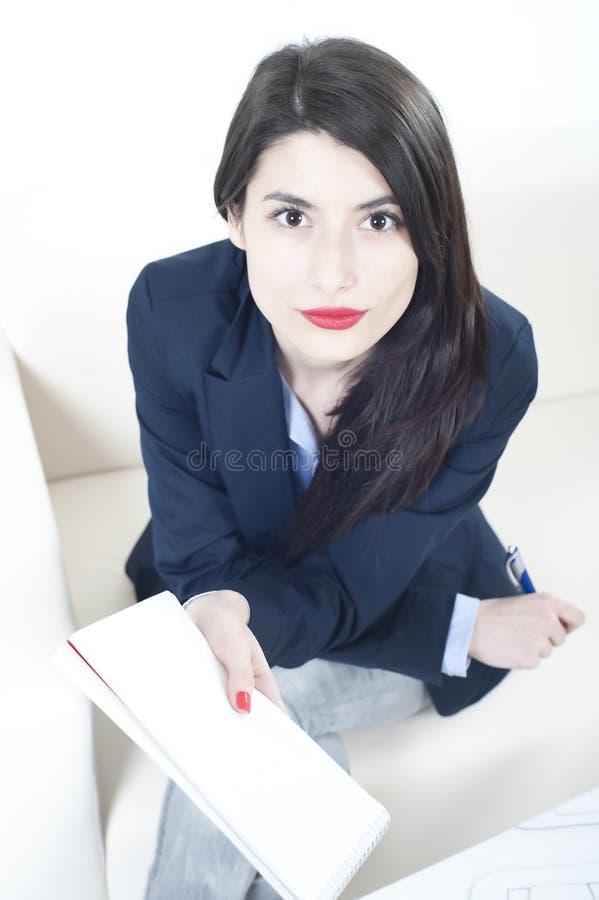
(235, 227)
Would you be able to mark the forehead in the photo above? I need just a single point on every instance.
(317, 169)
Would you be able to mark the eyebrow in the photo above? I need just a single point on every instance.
(298, 201)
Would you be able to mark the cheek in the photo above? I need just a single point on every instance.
(272, 293)
(396, 298)
(399, 279)
(397, 268)
(406, 280)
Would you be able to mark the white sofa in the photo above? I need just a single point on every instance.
(448, 782)
(81, 803)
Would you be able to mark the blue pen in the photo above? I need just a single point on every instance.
(516, 568)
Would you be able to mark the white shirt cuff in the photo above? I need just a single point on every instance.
(455, 659)
(190, 600)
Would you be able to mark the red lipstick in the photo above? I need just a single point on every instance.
(336, 317)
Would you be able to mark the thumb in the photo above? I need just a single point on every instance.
(264, 679)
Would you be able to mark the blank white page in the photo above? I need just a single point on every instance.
(303, 822)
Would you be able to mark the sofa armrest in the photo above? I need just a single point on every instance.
(52, 840)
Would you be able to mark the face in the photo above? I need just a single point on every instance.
(324, 252)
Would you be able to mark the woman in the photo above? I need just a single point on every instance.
(341, 327)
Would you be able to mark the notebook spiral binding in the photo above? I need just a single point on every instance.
(337, 882)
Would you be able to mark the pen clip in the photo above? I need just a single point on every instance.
(517, 570)
(514, 564)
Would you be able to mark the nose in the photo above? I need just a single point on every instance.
(333, 264)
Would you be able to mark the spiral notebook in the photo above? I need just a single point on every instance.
(288, 807)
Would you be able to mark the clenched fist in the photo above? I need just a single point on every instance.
(517, 632)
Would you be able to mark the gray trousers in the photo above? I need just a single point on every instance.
(193, 858)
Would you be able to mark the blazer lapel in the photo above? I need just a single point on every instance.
(246, 419)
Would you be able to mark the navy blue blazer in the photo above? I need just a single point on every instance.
(210, 408)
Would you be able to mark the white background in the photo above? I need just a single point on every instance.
(114, 118)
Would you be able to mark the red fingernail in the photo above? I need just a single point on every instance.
(243, 700)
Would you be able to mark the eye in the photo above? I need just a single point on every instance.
(385, 214)
(290, 211)
(292, 216)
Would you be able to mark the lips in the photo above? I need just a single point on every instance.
(339, 317)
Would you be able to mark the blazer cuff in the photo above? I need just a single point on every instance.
(456, 659)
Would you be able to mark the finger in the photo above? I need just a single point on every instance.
(267, 685)
(571, 621)
(265, 680)
(241, 683)
(570, 614)
(558, 633)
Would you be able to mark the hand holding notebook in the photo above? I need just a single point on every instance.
(301, 820)
(222, 616)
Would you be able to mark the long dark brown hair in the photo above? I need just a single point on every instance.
(407, 400)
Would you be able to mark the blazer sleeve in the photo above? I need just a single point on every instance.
(336, 594)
